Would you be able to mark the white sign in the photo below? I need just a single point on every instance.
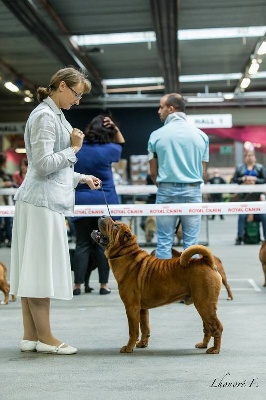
(8, 128)
(211, 120)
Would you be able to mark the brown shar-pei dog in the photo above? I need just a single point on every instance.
(145, 282)
(220, 269)
(4, 285)
(262, 257)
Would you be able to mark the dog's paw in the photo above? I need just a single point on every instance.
(4, 303)
(201, 345)
(126, 349)
(141, 344)
(213, 350)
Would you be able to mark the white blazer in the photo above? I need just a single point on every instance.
(50, 180)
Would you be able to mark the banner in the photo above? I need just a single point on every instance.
(136, 210)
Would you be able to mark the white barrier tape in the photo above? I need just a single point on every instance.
(252, 207)
(144, 190)
(233, 188)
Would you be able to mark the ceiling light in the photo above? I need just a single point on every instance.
(205, 99)
(229, 96)
(27, 99)
(209, 77)
(182, 79)
(114, 38)
(132, 81)
(262, 49)
(254, 67)
(10, 86)
(221, 33)
(185, 34)
(245, 83)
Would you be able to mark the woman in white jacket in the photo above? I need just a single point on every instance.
(40, 266)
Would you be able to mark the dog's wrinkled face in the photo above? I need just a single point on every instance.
(111, 233)
(99, 238)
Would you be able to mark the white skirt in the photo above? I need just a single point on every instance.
(40, 264)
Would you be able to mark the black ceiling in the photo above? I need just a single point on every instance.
(36, 41)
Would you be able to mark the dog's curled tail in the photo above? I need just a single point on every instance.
(197, 249)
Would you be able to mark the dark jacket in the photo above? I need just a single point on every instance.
(258, 171)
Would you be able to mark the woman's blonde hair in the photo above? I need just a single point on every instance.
(70, 75)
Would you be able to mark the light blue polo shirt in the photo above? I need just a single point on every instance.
(181, 148)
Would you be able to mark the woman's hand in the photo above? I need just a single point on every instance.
(109, 123)
(93, 182)
(76, 139)
(118, 137)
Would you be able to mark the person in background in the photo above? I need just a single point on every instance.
(40, 265)
(13, 158)
(118, 180)
(178, 153)
(6, 182)
(148, 224)
(216, 197)
(18, 176)
(102, 146)
(249, 173)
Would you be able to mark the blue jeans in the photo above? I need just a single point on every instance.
(166, 225)
(242, 219)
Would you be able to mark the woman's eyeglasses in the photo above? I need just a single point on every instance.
(78, 96)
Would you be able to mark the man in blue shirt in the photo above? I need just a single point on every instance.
(178, 153)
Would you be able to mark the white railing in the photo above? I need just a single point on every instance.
(257, 207)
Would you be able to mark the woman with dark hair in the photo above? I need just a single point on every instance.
(102, 146)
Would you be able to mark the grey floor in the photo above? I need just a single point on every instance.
(171, 367)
